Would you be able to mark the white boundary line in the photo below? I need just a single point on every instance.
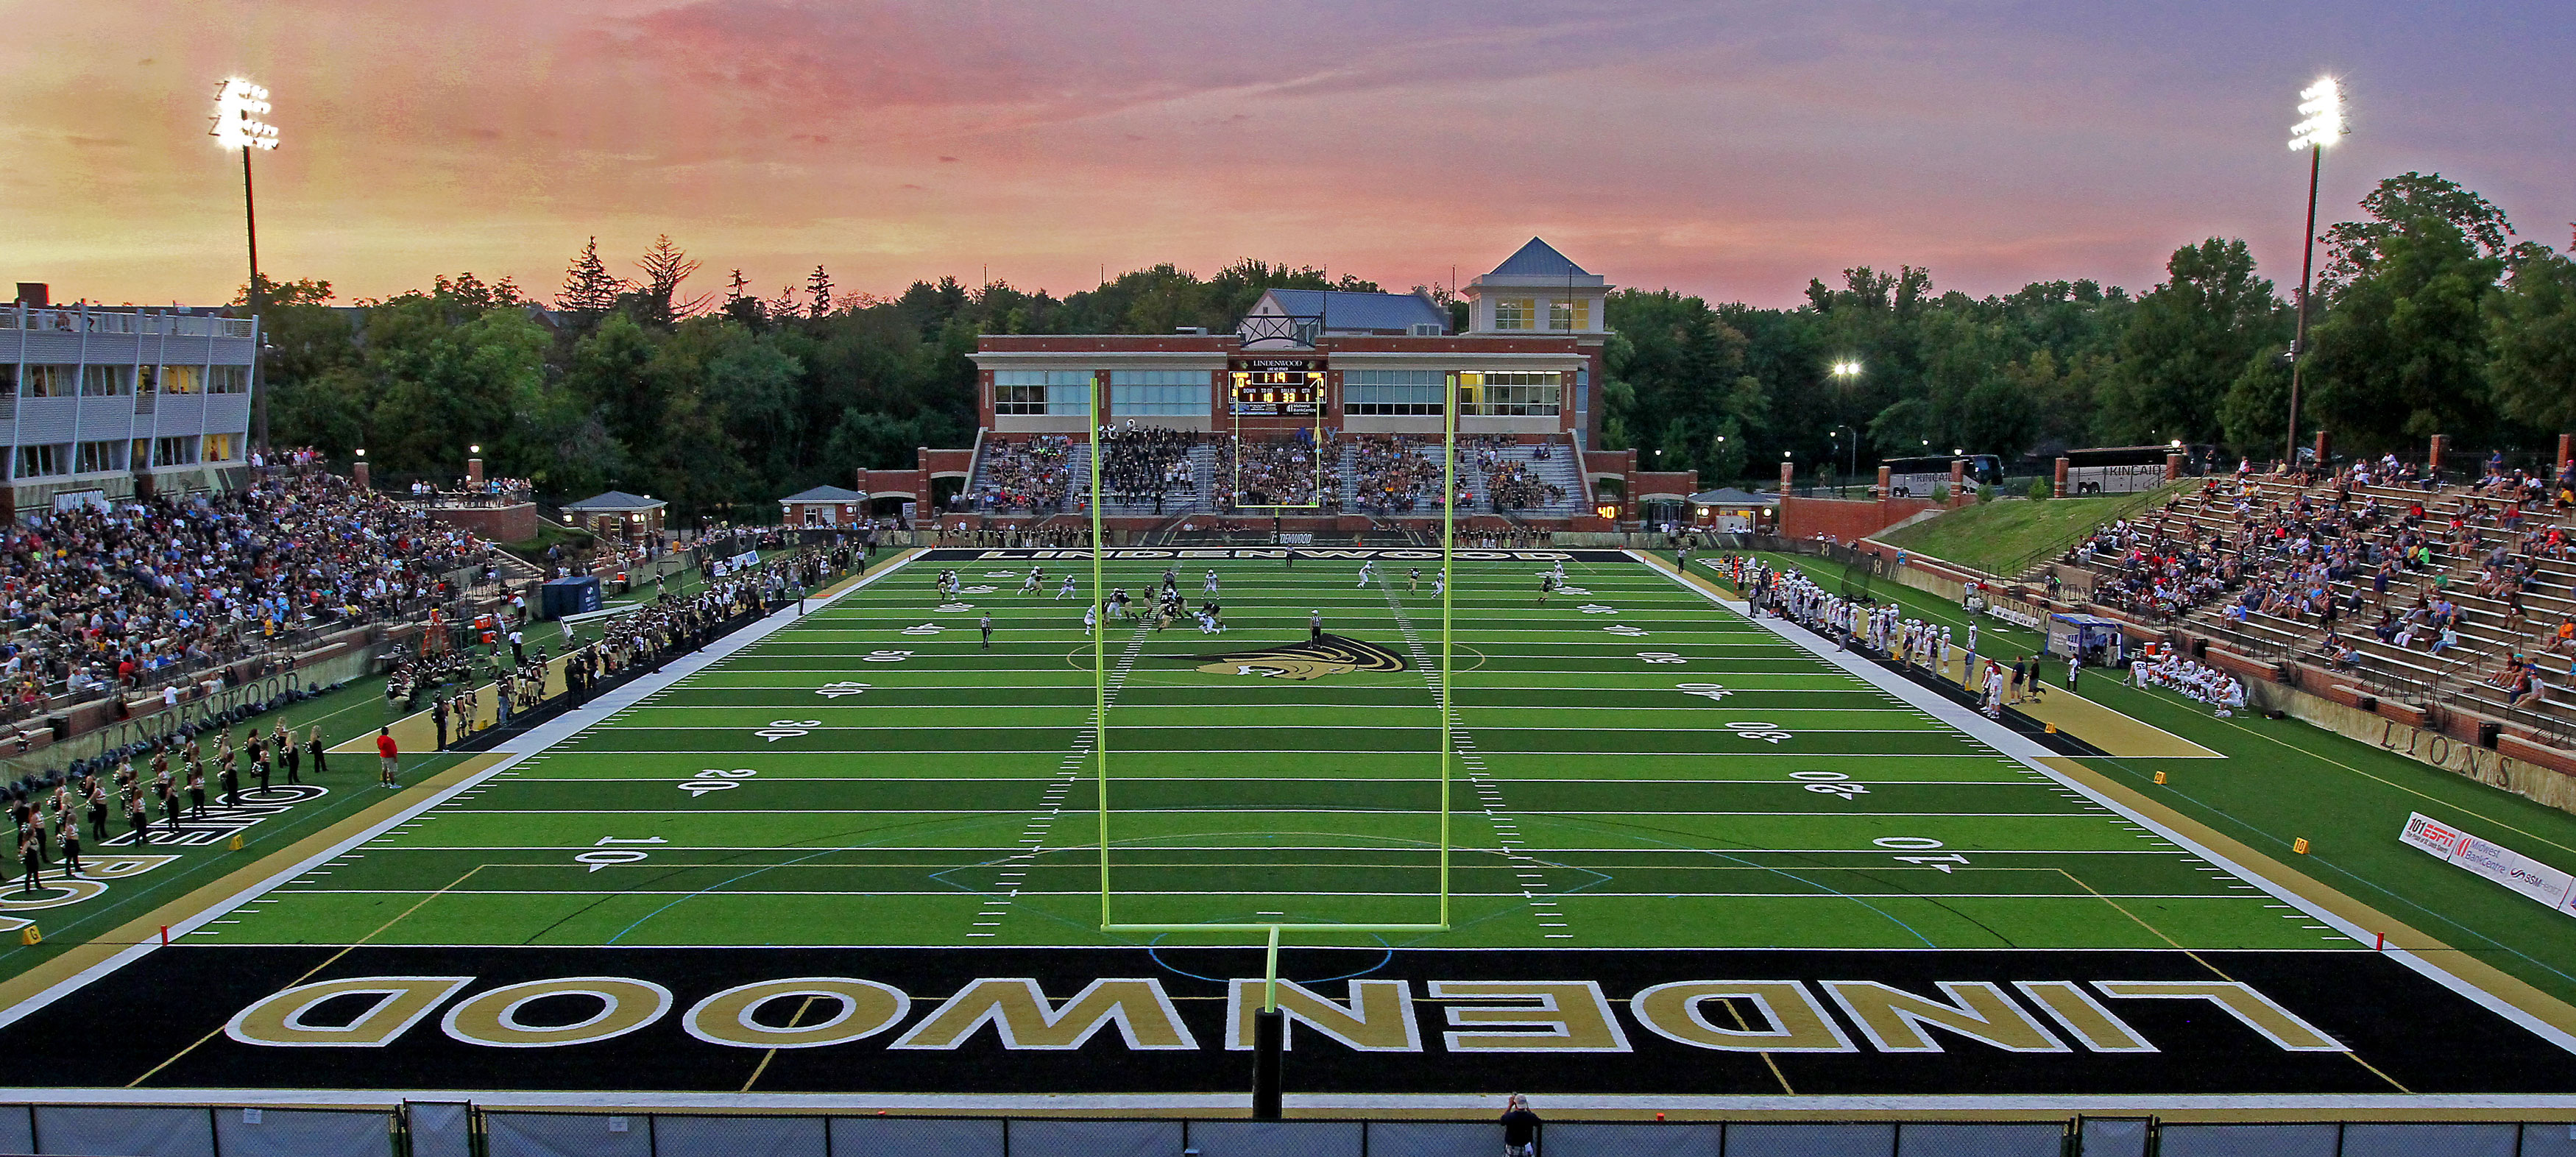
(2030, 753)
(542, 737)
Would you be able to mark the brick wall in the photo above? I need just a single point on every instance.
(1848, 520)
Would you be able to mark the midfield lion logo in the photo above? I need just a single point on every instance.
(1333, 655)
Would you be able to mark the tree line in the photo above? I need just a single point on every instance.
(2430, 318)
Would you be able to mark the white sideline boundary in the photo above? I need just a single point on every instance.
(2030, 754)
(519, 748)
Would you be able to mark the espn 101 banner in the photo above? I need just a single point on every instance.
(2503, 865)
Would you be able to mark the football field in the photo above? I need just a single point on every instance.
(1634, 766)
(863, 850)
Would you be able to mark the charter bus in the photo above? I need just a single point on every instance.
(2128, 469)
(1915, 477)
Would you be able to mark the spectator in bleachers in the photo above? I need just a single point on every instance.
(125, 595)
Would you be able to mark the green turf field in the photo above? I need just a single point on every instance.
(1635, 767)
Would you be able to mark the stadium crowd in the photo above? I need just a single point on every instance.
(1275, 473)
(1398, 474)
(1144, 464)
(1032, 474)
(133, 594)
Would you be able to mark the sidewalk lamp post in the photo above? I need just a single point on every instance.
(239, 105)
(2322, 104)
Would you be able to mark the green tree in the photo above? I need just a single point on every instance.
(2402, 351)
(2531, 328)
(2187, 342)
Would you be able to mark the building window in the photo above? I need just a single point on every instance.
(1513, 312)
(228, 380)
(106, 381)
(183, 379)
(1569, 315)
(47, 381)
(180, 451)
(1511, 394)
(1412, 393)
(1042, 391)
(43, 461)
(99, 457)
(222, 447)
(1139, 393)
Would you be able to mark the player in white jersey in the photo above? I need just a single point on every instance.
(1209, 586)
(1090, 618)
(1065, 591)
(1029, 585)
(1367, 571)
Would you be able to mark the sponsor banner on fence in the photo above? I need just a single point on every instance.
(2496, 862)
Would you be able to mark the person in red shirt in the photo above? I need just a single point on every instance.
(388, 755)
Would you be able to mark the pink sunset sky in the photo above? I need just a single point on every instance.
(1728, 150)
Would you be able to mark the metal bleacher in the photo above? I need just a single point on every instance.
(2488, 634)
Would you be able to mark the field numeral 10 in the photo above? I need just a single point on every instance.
(1943, 864)
(611, 857)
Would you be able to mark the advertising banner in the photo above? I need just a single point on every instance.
(2496, 862)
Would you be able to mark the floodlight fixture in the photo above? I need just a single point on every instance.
(238, 106)
(2322, 104)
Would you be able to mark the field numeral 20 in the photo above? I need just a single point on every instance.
(1833, 783)
(715, 779)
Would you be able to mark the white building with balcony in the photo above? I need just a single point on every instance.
(98, 403)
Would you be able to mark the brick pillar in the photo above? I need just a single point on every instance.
(8, 504)
(2061, 478)
(1958, 477)
(473, 473)
(2566, 449)
(2325, 446)
(2433, 457)
(1788, 473)
(2173, 467)
(358, 473)
(1886, 483)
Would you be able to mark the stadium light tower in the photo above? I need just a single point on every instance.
(239, 105)
(2322, 104)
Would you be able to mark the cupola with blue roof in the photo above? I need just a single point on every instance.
(1537, 290)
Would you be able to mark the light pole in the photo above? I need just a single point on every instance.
(1846, 370)
(238, 106)
(2322, 104)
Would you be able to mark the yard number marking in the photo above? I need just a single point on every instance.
(714, 779)
(1942, 864)
(785, 728)
(1709, 691)
(836, 690)
(1598, 609)
(613, 857)
(889, 656)
(1661, 657)
(1765, 732)
(1625, 629)
(1832, 783)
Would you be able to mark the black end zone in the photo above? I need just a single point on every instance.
(2392, 1030)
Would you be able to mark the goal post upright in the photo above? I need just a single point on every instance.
(1099, 655)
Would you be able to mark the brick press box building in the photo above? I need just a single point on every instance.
(1334, 369)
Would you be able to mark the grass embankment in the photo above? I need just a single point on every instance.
(2284, 781)
(2006, 536)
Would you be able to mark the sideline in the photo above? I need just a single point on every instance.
(66, 974)
(417, 732)
(2545, 1015)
